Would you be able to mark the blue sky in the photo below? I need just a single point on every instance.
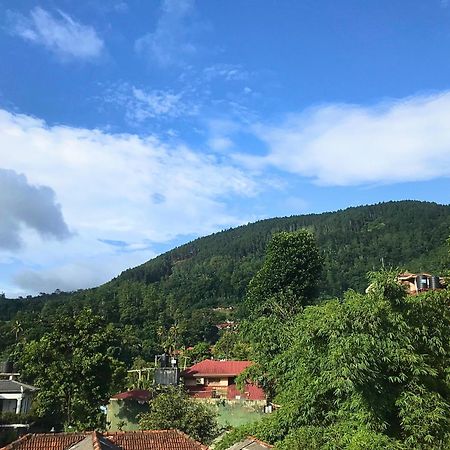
(128, 127)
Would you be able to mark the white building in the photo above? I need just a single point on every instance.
(15, 397)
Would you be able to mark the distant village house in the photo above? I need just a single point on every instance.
(216, 380)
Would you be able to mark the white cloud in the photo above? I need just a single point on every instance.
(229, 72)
(220, 143)
(171, 41)
(118, 187)
(143, 104)
(59, 33)
(342, 145)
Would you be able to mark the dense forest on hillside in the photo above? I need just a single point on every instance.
(169, 300)
(216, 269)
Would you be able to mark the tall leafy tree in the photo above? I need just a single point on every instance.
(285, 284)
(288, 279)
(75, 367)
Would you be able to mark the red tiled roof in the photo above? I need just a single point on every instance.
(210, 367)
(136, 394)
(126, 440)
(154, 440)
(51, 441)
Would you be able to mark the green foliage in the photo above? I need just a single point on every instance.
(284, 285)
(180, 287)
(288, 278)
(198, 353)
(371, 371)
(10, 417)
(174, 409)
(230, 346)
(75, 366)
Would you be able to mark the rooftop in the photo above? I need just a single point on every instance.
(13, 387)
(139, 395)
(210, 367)
(251, 443)
(126, 440)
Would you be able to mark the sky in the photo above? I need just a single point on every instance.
(128, 127)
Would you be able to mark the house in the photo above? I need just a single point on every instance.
(15, 397)
(420, 282)
(415, 283)
(124, 408)
(250, 443)
(216, 380)
(131, 440)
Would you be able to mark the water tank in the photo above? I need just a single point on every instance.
(164, 360)
(434, 282)
(167, 376)
(422, 282)
(6, 367)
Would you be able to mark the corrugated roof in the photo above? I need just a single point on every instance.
(13, 386)
(210, 367)
(126, 440)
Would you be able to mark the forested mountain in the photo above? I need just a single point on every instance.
(216, 269)
(171, 297)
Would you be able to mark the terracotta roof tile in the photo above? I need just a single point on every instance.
(50, 441)
(155, 440)
(127, 440)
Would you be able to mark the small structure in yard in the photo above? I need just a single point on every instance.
(211, 379)
(167, 372)
(135, 440)
(124, 408)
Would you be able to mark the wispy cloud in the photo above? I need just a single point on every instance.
(343, 145)
(59, 33)
(228, 72)
(141, 104)
(172, 40)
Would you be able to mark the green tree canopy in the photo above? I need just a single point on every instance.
(174, 409)
(369, 371)
(76, 369)
(288, 279)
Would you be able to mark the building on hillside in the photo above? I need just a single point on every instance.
(228, 325)
(134, 440)
(250, 443)
(420, 282)
(124, 408)
(415, 283)
(211, 379)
